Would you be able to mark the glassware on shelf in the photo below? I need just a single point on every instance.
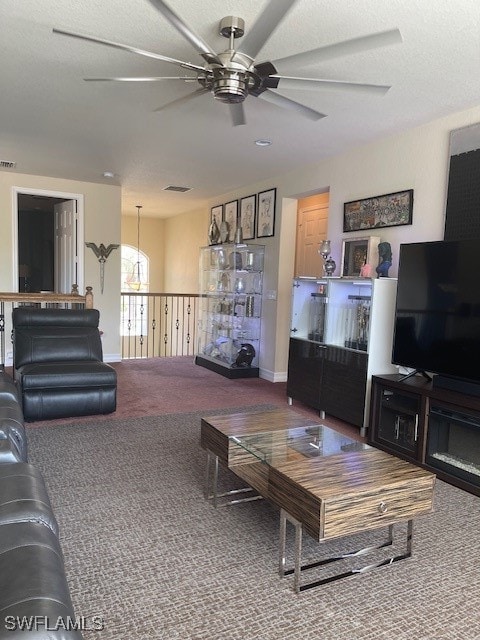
(316, 324)
(357, 322)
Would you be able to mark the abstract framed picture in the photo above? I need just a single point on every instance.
(266, 213)
(230, 216)
(389, 210)
(248, 214)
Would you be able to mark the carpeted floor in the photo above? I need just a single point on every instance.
(145, 551)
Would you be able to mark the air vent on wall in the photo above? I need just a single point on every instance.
(179, 189)
(7, 164)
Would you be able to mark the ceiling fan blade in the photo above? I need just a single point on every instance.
(180, 25)
(154, 79)
(264, 26)
(288, 82)
(287, 103)
(126, 47)
(340, 49)
(187, 98)
(238, 114)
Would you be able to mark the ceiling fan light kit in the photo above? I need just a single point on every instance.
(233, 75)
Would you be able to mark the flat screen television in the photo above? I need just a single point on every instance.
(437, 318)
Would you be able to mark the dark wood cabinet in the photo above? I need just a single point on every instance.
(329, 379)
(305, 371)
(435, 428)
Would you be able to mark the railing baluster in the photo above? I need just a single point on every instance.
(168, 320)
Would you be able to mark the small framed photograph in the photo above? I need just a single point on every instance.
(358, 256)
(248, 214)
(266, 213)
(231, 213)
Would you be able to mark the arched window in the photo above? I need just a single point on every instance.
(134, 274)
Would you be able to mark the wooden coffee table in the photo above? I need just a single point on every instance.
(322, 481)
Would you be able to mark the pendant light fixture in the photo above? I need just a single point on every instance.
(136, 280)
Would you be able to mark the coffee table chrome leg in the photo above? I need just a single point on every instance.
(298, 555)
(284, 516)
(282, 543)
(298, 568)
(206, 488)
(211, 485)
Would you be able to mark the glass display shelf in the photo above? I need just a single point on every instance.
(231, 284)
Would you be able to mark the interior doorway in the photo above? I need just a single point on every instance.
(48, 229)
(312, 227)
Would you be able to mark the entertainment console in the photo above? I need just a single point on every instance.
(437, 428)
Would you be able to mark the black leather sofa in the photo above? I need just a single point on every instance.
(58, 363)
(35, 601)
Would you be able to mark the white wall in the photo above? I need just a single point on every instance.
(102, 206)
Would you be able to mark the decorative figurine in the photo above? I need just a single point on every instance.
(385, 259)
(245, 355)
(102, 252)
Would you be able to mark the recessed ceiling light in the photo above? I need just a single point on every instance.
(263, 142)
(108, 174)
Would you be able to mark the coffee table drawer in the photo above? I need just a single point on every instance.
(355, 513)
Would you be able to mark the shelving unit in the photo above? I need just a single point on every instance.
(231, 284)
(341, 335)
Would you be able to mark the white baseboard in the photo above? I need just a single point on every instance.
(273, 376)
(112, 357)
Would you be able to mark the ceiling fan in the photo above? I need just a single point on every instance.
(233, 75)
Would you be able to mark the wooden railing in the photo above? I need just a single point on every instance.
(48, 300)
(152, 324)
(158, 324)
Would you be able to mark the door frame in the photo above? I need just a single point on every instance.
(16, 191)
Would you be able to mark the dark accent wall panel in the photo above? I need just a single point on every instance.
(462, 217)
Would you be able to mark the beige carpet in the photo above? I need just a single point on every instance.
(148, 554)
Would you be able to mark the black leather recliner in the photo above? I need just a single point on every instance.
(58, 363)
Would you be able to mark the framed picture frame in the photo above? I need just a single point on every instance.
(248, 216)
(358, 256)
(266, 213)
(230, 216)
(216, 213)
(389, 210)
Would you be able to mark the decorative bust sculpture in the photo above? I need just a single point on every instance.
(384, 259)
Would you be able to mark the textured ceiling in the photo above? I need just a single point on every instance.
(53, 123)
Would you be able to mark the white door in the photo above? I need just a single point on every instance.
(66, 263)
(312, 222)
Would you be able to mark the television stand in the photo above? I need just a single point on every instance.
(414, 373)
(434, 427)
(459, 385)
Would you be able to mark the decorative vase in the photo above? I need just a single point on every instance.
(213, 232)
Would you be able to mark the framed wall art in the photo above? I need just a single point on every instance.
(230, 216)
(389, 210)
(217, 214)
(357, 253)
(266, 213)
(248, 213)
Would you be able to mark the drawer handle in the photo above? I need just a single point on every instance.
(382, 507)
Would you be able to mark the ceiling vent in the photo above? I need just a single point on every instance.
(7, 164)
(178, 189)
